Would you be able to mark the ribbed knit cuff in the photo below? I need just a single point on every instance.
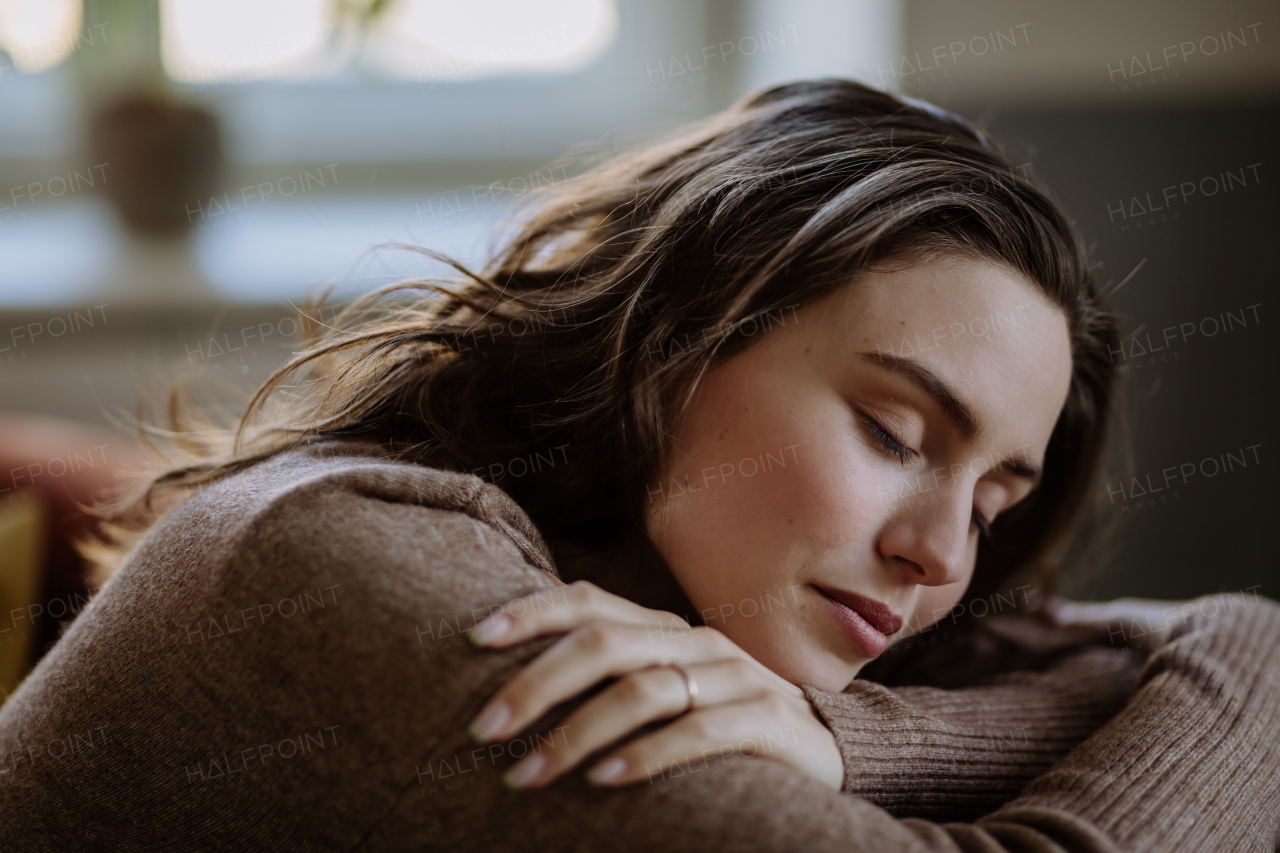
(1193, 761)
(957, 754)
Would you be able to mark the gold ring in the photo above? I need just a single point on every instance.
(690, 686)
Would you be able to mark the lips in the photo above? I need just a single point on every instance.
(877, 614)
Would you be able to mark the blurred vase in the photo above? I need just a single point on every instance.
(162, 160)
(163, 157)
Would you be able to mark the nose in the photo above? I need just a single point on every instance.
(929, 535)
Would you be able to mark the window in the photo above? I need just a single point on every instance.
(218, 41)
(39, 34)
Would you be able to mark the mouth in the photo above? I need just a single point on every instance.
(867, 622)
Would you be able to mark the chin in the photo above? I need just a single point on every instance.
(828, 679)
(816, 667)
(836, 683)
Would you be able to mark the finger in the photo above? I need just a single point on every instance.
(761, 726)
(563, 609)
(637, 699)
(590, 653)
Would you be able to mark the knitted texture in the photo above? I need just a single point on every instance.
(280, 665)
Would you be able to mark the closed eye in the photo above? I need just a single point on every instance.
(903, 453)
(887, 441)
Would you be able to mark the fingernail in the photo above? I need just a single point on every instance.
(490, 628)
(490, 722)
(606, 771)
(525, 772)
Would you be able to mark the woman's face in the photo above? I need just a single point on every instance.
(821, 498)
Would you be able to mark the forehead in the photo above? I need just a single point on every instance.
(980, 295)
(959, 302)
(983, 327)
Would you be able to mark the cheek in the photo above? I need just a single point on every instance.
(733, 516)
(755, 503)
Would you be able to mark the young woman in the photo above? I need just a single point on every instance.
(724, 420)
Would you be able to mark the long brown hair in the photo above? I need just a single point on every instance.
(582, 339)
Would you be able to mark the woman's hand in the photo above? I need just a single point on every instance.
(740, 705)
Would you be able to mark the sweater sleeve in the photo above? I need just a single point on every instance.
(1193, 761)
(1129, 787)
(961, 753)
(308, 688)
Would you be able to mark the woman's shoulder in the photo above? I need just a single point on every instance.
(334, 537)
(313, 604)
(344, 488)
(382, 541)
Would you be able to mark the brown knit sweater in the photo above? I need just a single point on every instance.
(280, 665)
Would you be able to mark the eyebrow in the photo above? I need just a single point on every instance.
(960, 415)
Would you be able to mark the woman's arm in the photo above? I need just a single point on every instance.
(1039, 689)
(1199, 744)
(974, 748)
(915, 753)
(945, 754)
(193, 727)
(960, 753)
(1139, 794)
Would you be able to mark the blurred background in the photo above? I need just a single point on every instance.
(176, 176)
